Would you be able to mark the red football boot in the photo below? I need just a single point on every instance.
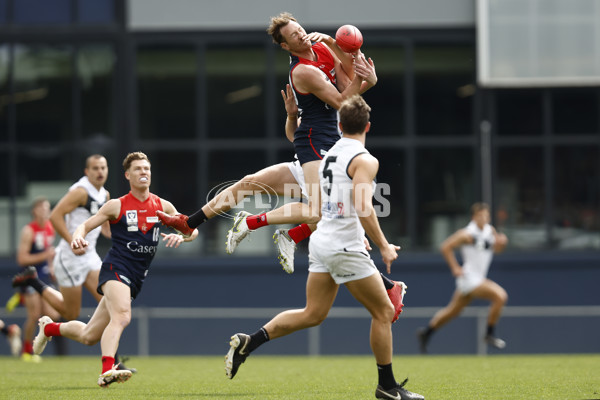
(177, 222)
(396, 295)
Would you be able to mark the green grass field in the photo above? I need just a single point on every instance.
(323, 378)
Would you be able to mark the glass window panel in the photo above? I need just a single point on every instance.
(43, 93)
(165, 166)
(577, 197)
(444, 89)
(390, 194)
(5, 212)
(445, 191)
(520, 196)
(236, 91)
(387, 98)
(519, 112)
(223, 173)
(96, 69)
(166, 92)
(4, 95)
(35, 165)
(3, 11)
(282, 69)
(96, 11)
(42, 11)
(575, 111)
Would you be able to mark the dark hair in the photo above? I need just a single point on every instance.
(480, 206)
(354, 115)
(92, 157)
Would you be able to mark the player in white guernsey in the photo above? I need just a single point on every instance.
(83, 200)
(478, 242)
(338, 254)
(72, 272)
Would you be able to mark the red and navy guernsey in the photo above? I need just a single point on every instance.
(135, 234)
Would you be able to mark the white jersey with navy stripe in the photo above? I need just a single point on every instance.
(96, 198)
(339, 227)
(477, 256)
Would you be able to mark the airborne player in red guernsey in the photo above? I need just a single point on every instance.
(135, 235)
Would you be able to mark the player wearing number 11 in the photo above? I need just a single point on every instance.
(337, 254)
(135, 234)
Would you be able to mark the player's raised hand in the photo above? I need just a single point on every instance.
(320, 37)
(172, 239)
(365, 68)
(289, 100)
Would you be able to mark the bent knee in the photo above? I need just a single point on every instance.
(503, 297)
(314, 318)
(385, 313)
(89, 340)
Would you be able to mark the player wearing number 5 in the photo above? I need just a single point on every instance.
(135, 235)
(337, 254)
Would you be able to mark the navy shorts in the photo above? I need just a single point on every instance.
(311, 148)
(115, 272)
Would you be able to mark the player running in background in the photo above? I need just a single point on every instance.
(84, 199)
(337, 254)
(478, 242)
(135, 234)
(13, 335)
(35, 253)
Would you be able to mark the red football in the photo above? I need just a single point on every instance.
(349, 38)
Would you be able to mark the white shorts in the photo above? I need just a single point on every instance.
(72, 270)
(343, 266)
(296, 170)
(468, 282)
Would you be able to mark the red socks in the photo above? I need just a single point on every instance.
(27, 346)
(107, 363)
(299, 233)
(256, 221)
(52, 329)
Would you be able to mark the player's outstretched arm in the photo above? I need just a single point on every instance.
(447, 247)
(500, 242)
(109, 211)
(70, 201)
(363, 170)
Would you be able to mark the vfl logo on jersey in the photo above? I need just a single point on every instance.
(132, 220)
(94, 207)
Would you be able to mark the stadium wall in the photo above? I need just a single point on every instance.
(556, 281)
